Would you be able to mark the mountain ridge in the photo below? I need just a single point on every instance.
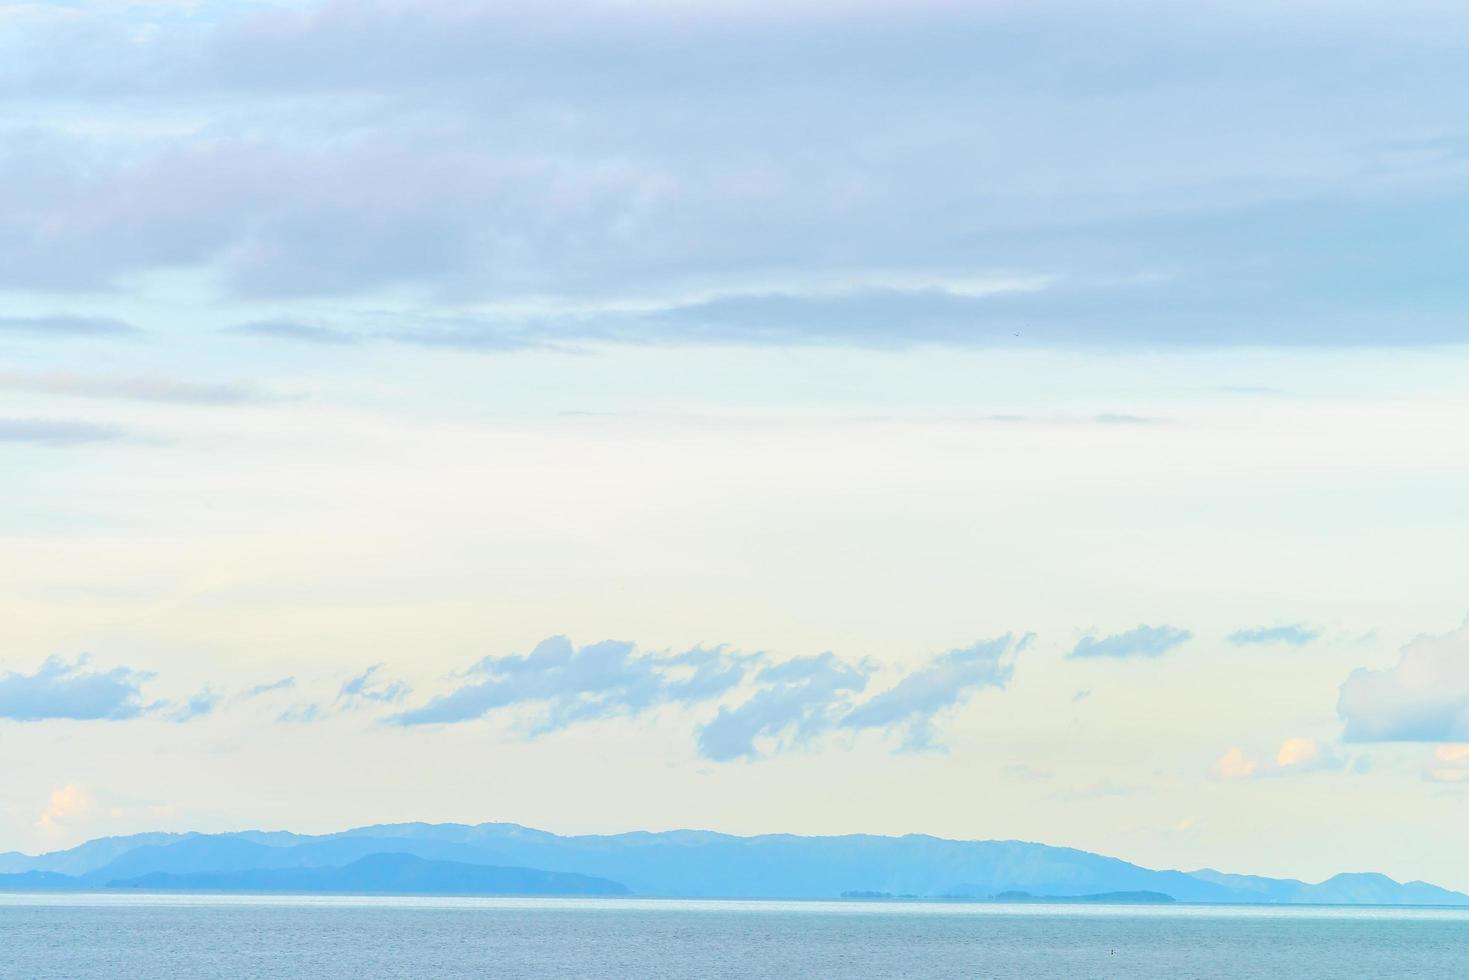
(698, 864)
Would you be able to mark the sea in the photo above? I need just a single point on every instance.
(203, 937)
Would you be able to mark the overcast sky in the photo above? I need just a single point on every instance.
(990, 419)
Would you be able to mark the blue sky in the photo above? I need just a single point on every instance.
(987, 419)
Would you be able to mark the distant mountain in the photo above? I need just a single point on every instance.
(228, 852)
(382, 874)
(695, 864)
(83, 857)
(1342, 889)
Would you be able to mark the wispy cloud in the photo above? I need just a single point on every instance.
(1144, 641)
(71, 689)
(294, 330)
(284, 684)
(570, 684)
(56, 433)
(198, 706)
(947, 680)
(145, 389)
(66, 325)
(766, 707)
(797, 700)
(302, 714)
(368, 686)
(1297, 635)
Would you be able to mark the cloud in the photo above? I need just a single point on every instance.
(1104, 418)
(367, 687)
(1450, 764)
(1234, 764)
(284, 684)
(947, 680)
(64, 806)
(1303, 754)
(56, 433)
(301, 714)
(1250, 185)
(1424, 697)
(143, 389)
(65, 325)
(1144, 641)
(570, 684)
(1295, 756)
(358, 692)
(1298, 752)
(59, 689)
(1297, 635)
(764, 706)
(295, 331)
(198, 706)
(798, 699)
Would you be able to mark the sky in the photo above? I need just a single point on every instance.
(999, 420)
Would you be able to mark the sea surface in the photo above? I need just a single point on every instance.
(194, 937)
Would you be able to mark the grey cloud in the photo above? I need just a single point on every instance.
(1144, 641)
(1424, 697)
(145, 389)
(56, 433)
(62, 689)
(1239, 175)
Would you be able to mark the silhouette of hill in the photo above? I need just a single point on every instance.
(682, 863)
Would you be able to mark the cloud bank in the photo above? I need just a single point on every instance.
(1266, 178)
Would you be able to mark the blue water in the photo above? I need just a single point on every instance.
(82, 937)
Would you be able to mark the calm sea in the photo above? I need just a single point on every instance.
(206, 937)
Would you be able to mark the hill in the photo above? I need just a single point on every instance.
(693, 864)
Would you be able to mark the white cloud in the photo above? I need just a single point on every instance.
(1450, 764)
(144, 389)
(1296, 755)
(1424, 697)
(1234, 764)
(64, 808)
